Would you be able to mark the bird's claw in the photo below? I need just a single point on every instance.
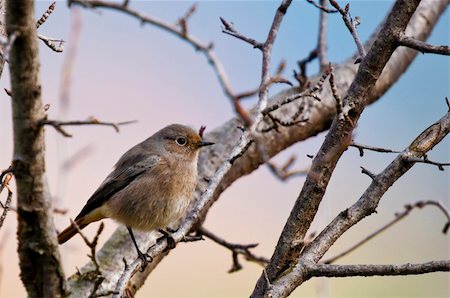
(145, 260)
(170, 241)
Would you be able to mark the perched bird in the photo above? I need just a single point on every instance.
(150, 187)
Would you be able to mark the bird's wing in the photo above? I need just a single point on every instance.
(120, 178)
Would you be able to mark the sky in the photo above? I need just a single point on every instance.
(125, 71)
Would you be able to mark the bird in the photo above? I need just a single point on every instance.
(150, 187)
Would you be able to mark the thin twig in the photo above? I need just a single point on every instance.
(307, 93)
(367, 172)
(46, 14)
(56, 44)
(351, 25)
(236, 249)
(93, 256)
(398, 217)
(362, 147)
(183, 21)
(58, 125)
(302, 77)
(322, 6)
(5, 184)
(423, 47)
(229, 29)
(284, 173)
(205, 49)
(425, 159)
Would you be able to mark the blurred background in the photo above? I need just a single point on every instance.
(121, 70)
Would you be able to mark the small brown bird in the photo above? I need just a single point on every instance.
(150, 187)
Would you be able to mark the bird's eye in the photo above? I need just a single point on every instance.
(181, 141)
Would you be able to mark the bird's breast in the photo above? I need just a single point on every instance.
(157, 198)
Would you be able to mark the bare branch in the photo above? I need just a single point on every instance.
(205, 49)
(302, 77)
(351, 25)
(183, 21)
(336, 142)
(5, 184)
(367, 172)
(238, 150)
(425, 160)
(362, 147)
(365, 206)
(398, 217)
(93, 256)
(46, 14)
(423, 47)
(236, 249)
(322, 6)
(307, 93)
(229, 29)
(317, 270)
(56, 44)
(283, 173)
(322, 38)
(58, 125)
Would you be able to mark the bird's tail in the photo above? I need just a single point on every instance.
(70, 231)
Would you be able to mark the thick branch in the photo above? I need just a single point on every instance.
(365, 206)
(336, 142)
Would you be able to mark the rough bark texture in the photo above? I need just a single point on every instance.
(366, 205)
(336, 142)
(40, 267)
(2, 28)
(322, 114)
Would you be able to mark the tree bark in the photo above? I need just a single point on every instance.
(40, 267)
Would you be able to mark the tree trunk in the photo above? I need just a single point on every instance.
(40, 267)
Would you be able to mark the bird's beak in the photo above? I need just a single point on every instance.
(203, 144)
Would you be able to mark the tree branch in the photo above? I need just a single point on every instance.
(322, 7)
(423, 47)
(398, 218)
(207, 197)
(182, 33)
(5, 184)
(320, 270)
(58, 125)
(229, 29)
(365, 206)
(236, 249)
(362, 147)
(351, 25)
(290, 243)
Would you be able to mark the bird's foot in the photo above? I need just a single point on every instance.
(145, 260)
(167, 236)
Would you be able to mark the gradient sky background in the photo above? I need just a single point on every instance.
(125, 71)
